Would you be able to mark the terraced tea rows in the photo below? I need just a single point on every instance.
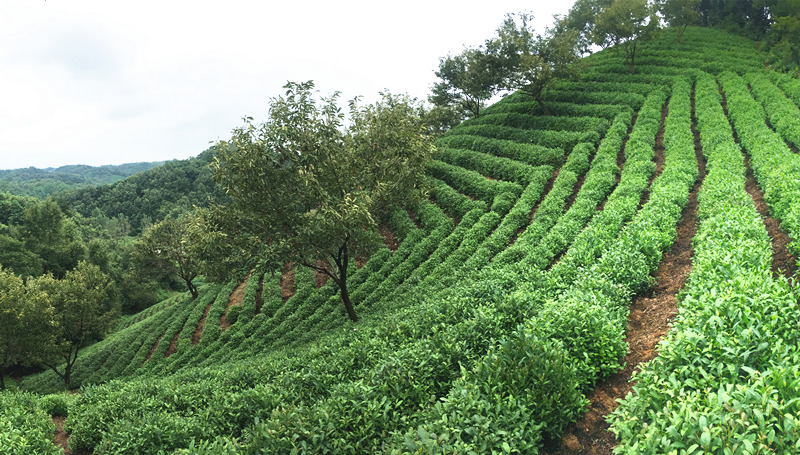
(507, 298)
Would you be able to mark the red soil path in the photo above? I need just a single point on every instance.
(236, 298)
(647, 325)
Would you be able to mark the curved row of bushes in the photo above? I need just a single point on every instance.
(639, 150)
(776, 168)
(529, 385)
(782, 113)
(727, 378)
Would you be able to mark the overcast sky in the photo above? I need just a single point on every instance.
(108, 82)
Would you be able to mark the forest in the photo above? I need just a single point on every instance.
(602, 261)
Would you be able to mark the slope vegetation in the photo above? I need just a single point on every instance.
(508, 297)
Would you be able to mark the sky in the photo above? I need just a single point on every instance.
(107, 82)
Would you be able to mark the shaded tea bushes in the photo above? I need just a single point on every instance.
(531, 154)
(776, 168)
(726, 379)
(25, 425)
(491, 166)
(540, 122)
(451, 201)
(627, 86)
(550, 208)
(471, 182)
(632, 100)
(563, 140)
(564, 109)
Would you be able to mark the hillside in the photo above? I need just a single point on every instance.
(554, 255)
(149, 196)
(41, 183)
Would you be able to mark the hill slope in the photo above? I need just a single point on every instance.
(41, 183)
(508, 298)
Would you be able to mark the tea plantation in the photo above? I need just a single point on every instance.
(507, 299)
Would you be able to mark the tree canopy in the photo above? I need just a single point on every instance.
(26, 318)
(164, 249)
(82, 313)
(308, 188)
(625, 23)
(530, 61)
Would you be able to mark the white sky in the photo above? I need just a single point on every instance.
(110, 82)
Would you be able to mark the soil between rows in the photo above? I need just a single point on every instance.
(648, 324)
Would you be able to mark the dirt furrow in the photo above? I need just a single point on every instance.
(198, 332)
(783, 263)
(647, 325)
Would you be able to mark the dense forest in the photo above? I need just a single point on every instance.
(439, 277)
(41, 183)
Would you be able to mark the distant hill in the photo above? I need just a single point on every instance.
(41, 183)
(173, 187)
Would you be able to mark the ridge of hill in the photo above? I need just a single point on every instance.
(149, 196)
(509, 296)
(41, 183)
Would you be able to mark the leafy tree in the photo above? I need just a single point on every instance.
(680, 13)
(625, 23)
(14, 255)
(743, 16)
(783, 35)
(83, 312)
(164, 248)
(581, 19)
(52, 236)
(532, 62)
(467, 81)
(26, 319)
(305, 187)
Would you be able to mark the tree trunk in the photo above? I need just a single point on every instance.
(545, 111)
(2, 378)
(341, 262)
(67, 374)
(192, 288)
(347, 303)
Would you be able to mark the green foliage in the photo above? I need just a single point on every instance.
(53, 237)
(298, 186)
(26, 318)
(625, 23)
(166, 249)
(150, 196)
(467, 81)
(25, 427)
(82, 313)
(533, 62)
(680, 13)
(41, 183)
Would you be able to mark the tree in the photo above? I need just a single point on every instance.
(52, 236)
(307, 189)
(581, 19)
(467, 81)
(82, 312)
(680, 13)
(783, 35)
(532, 61)
(165, 248)
(625, 23)
(26, 319)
